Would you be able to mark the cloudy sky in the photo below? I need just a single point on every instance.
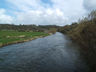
(44, 12)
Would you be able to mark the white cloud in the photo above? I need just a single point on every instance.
(72, 9)
(25, 5)
(34, 12)
(60, 12)
(45, 17)
(4, 18)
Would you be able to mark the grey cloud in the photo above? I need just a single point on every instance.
(90, 5)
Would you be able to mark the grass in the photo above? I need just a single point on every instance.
(10, 37)
(85, 35)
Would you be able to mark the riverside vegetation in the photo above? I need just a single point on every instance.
(10, 34)
(84, 33)
(10, 37)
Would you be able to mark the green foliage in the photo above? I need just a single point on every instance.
(9, 37)
(10, 33)
(26, 28)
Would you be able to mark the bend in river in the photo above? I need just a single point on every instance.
(55, 53)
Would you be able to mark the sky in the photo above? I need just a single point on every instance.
(44, 12)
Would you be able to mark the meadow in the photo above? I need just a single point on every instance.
(11, 37)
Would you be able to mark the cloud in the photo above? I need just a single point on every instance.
(35, 12)
(4, 18)
(24, 5)
(59, 12)
(90, 5)
(45, 17)
(73, 9)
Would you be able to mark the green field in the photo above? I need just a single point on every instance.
(10, 37)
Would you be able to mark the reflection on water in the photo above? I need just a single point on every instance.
(55, 53)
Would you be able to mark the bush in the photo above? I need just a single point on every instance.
(84, 33)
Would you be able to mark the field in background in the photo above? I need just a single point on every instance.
(10, 37)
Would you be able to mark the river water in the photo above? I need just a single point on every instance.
(55, 53)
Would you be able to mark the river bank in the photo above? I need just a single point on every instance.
(15, 42)
(14, 37)
(83, 33)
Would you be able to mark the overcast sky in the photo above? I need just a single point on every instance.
(44, 12)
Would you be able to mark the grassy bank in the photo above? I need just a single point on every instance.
(11, 37)
(84, 33)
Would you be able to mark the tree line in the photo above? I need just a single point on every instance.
(33, 28)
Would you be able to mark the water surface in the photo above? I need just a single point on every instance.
(55, 53)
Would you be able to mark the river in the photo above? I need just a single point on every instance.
(55, 53)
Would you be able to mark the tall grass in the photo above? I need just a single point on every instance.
(84, 33)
